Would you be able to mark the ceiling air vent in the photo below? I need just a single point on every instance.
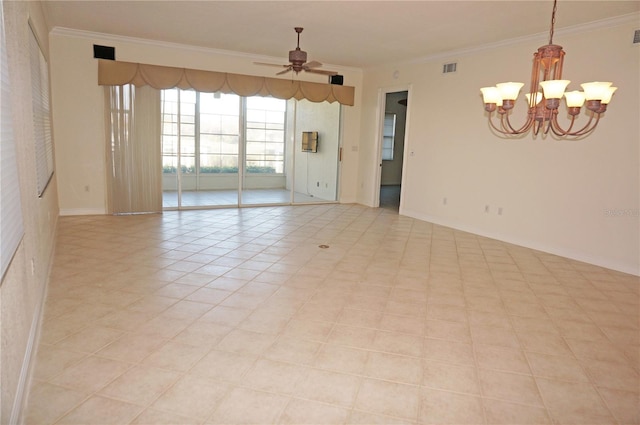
(636, 37)
(448, 68)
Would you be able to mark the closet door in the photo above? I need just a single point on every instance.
(316, 147)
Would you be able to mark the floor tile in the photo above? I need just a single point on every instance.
(501, 358)
(341, 359)
(51, 360)
(192, 396)
(176, 356)
(288, 349)
(223, 366)
(49, 402)
(248, 407)
(449, 351)
(273, 376)
(441, 407)
(91, 373)
(625, 405)
(328, 387)
(447, 376)
(388, 398)
(140, 384)
(101, 411)
(571, 403)
(556, 367)
(132, 347)
(509, 387)
(311, 412)
(393, 367)
(157, 417)
(502, 412)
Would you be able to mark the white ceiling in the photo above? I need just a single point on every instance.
(356, 34)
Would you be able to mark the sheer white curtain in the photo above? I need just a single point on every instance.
(134, 177)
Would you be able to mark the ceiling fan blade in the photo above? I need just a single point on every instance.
(270, 64)
(312, 64)
(285, 71)
(321, 71)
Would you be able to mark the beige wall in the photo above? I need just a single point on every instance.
(23, 285)
(554, 194)
(78, 108)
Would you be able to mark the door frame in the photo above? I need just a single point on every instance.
(382, 102)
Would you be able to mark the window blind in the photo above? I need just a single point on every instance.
(41, 114)
(11, 226)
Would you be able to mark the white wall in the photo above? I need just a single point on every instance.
(23, 287)
(78, 108)
(554, 194)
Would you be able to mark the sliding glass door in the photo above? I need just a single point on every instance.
(200, 141)
(225, 150)
(264, 177)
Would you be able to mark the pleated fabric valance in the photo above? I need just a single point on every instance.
(116, 73)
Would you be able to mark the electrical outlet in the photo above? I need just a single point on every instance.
(486, 208)
(317, 184)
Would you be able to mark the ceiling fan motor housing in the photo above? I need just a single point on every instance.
(297, 56)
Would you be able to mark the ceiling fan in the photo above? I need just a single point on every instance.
(298, 61)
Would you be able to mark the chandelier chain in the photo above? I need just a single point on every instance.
(553, 20)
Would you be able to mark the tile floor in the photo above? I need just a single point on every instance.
(237, 316)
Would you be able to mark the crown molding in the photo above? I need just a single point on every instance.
(581, 28)
(90, 35)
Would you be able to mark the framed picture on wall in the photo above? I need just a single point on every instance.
(309, 141)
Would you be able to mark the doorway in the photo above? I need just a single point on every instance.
(392, 148)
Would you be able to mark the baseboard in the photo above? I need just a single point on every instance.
(559, 251)
(82, 211)
(24, 380)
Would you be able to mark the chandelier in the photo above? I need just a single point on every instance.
(546, 90)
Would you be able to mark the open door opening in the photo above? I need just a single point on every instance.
(392, 149)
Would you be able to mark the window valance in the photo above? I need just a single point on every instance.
(116, 73)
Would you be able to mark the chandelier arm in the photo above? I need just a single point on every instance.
(537, 125)
(503, 129)
(494, 127)
(588, 127)
(525, 127)
(559, 131)
(547, 125)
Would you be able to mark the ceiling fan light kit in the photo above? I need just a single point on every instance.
(298, 61)
(546, 90)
